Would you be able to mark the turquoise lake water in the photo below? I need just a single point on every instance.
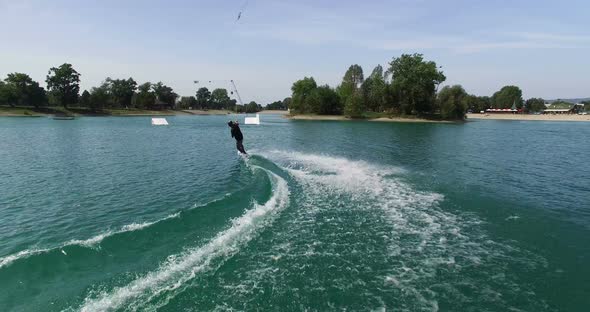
(113, 214)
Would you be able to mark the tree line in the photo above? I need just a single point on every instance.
(409, 86)
(63, 89)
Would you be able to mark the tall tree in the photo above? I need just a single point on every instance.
(252, 107)
(203, 98)
(507, 96)
(354, 107)
(452, 102)
(122, 91)
(187, 102)
(164, 93)
(374, 88)
(25, 91)
(302, 89)
(324, 100)
(351, 82)
(145, 96)
(478, 103)
(535, 105)
(63, 83)
(100, 97)
(220, 99)
(415, 81)
(287, 102)
(391, 101)
(8, 94)
(84, 99)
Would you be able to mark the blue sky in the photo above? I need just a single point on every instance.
(541, 46)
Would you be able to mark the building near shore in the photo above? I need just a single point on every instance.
(503, 110)
(512, 110)
(564, 108)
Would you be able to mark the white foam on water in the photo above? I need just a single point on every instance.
(423, 239)
(90, 242)
(179, 269)
(7, 260)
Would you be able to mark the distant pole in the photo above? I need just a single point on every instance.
(237, 93)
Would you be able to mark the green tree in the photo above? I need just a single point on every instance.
(276, 105)
(203, 98)
(63, 83)
(351, 82)
(84, 99)
(302, 89)
(23, 90)
(507, 96)
(287, 102)
(233, 103)
(252, 107)
(145, 96)
(220, 99)
(100, 97)
(535, 105)
(478, 103)
(324, 100)
(354, 107)
(164, 93)
(586, 105)
(391, 100)
(187, 102)
(122, 91)
(414, 82)
(8, 94)
(374, 89)
(452, 102)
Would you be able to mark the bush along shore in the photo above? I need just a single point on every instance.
(28, 111)
(20, 95)
(408, 88)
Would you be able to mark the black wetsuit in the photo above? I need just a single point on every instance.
(236, 133)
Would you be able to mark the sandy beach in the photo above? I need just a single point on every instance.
(564, 117)
(274, 112)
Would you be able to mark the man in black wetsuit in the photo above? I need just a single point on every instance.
(236, 133)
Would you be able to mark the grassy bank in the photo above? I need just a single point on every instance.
(7, 111)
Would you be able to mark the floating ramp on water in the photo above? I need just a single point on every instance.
(159, 122)
(252, 120)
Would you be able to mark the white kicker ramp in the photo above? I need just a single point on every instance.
(159, 122)
(252, 120)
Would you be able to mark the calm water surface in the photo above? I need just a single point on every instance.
(113, 214)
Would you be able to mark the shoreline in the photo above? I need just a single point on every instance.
(378, 119)
(526, 117)
(77, 112)
(273, 112)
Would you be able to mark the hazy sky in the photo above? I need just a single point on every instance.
(541, 46)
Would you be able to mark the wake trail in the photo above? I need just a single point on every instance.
(90, 242)
(94, 241)
(181, 268)
(418, 247)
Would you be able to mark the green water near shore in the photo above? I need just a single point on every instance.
(113, 214)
